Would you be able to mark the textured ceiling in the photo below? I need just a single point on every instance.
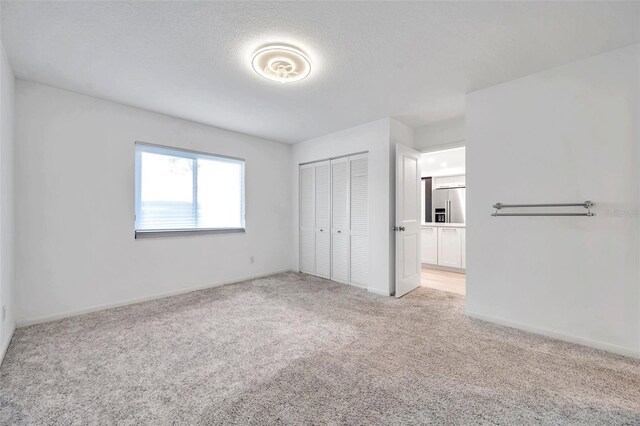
(413, 61)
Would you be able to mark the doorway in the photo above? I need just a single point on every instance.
(443, 228)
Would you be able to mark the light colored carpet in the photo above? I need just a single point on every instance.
(294, 349)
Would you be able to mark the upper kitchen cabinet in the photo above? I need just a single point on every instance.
(459, 181)
(442, 182)
(449, 182)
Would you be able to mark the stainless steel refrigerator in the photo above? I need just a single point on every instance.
(449, 205)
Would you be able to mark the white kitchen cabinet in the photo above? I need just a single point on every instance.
(442, 182)
(443, 246)
(464, 248)
(450, 247)
(429, 245)
(449, 182)
(458, 181)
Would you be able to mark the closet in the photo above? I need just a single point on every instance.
(334, 219)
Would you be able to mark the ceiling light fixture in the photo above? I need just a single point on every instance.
(279, 63)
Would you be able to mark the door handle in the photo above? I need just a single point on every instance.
(395, 228)
(401, 228)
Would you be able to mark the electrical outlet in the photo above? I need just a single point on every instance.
(251, 259)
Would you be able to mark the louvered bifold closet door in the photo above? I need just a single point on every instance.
(359, 219)
(307, 220)
(323, 218)
(340, 220)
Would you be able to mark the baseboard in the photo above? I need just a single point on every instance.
(360, 286)
(444, 268)
(48, 318)
(596, 344)
(378, 292)
(3, 349)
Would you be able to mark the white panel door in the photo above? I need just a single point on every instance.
(408, 265)
(340, 220)
(429, 245)
(359, 219)
(307, 220)
(322, 177)
(450, 247)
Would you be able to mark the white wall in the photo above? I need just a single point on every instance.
(564, 135)
(6, 201)
(377, 138)
(449, 133)
(75, 180)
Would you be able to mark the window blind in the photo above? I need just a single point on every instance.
(179, 190)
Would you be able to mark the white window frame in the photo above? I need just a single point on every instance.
(189, 154)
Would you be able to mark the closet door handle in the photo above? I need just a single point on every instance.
(339, 232)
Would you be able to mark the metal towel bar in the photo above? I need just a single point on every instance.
(587, 205)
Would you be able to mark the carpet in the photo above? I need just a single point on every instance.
(296, 349)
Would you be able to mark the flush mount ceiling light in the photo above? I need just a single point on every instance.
(283, 64)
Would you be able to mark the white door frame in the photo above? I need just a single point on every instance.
(440, 148)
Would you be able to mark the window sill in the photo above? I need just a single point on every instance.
(185, 232)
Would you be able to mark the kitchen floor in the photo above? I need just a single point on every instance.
(451, 282)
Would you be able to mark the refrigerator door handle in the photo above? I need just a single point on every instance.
(447, 211)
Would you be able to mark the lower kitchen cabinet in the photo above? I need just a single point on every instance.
(443, 246)
(429, 245)
(450, 247)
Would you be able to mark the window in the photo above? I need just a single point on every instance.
(179, 191)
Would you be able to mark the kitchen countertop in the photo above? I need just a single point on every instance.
(447, 225)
